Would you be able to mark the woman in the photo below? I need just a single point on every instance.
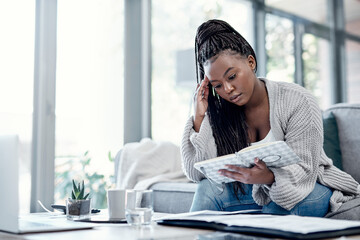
(235, 109)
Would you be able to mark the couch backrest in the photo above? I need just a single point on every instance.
(348, 121)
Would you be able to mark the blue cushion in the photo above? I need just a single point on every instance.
(331, 139)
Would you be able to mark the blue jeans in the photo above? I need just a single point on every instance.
(208, 197)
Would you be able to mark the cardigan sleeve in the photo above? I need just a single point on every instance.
(301, 122)
(196, 147)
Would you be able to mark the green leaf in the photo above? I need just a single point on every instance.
(86, 196)
(74, 186)
(82, 189)
(109, 157)
(73, 195)
(87, 162)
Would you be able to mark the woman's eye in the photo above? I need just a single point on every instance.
(231, 77)
(217, 86)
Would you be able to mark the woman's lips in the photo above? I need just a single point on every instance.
(235, 98)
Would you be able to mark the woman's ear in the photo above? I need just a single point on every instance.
(252, 62)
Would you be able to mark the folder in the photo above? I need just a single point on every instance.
(281, 226)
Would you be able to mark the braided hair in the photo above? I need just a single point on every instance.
(227, 120)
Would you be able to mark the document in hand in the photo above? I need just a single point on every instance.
(287, 226)
(274, 154)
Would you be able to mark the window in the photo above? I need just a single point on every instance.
(16, 83)
(89, 94)
(352, 46)
(174, 27)
(279, 49)
(317, 68)
(315, 11)
(353, 71)
(352, 16)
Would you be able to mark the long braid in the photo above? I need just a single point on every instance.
(227, 120)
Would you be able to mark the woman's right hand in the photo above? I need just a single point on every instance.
(201, 102)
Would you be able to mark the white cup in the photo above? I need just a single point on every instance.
(116, 203)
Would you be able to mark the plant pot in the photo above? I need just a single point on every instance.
(78, 209)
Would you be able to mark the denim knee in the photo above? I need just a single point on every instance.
(204, 186)
(316, 204)
(204, 197)
(209, 197)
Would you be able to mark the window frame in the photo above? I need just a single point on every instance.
(43, 130)
(335, 33)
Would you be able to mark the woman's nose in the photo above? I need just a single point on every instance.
(228, 87)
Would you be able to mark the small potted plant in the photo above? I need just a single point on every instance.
(78, 206)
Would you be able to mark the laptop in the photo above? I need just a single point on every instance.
(10, 221)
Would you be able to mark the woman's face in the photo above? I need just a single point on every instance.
(232, 76)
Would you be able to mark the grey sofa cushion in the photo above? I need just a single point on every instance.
(331, 139)
(173, 197)
(349, 211)
(348, 122)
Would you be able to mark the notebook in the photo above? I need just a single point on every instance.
(10, 221)
(274, 154)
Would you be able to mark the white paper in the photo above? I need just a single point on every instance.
(288, 223)
(204, 213)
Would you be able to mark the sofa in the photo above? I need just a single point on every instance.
(341, 143)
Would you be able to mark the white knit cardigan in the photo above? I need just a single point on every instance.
(296, 119)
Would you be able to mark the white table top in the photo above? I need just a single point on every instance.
(113, 231)
(122, 231)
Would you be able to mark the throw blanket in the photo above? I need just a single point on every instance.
(146, 162)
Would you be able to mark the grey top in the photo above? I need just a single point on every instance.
(295, 118)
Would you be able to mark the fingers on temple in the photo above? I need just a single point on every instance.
(204, 89)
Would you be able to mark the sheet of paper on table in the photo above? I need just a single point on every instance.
(288, 223)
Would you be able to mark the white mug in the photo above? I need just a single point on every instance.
(116, 203)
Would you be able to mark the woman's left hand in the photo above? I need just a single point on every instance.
(258, 174)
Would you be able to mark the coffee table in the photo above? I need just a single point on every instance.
(124, 232)
(113, 231)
